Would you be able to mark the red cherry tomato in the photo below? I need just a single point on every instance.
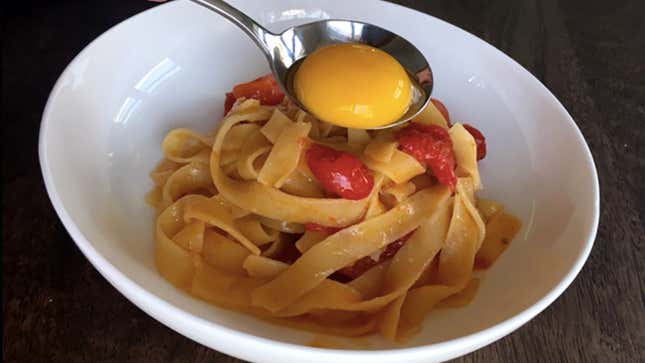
(264, 89)
(431, 146)
(444, 111)
(480, 140)
(359, 267)
(340, 173)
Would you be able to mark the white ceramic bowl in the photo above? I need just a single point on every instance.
(170, 66)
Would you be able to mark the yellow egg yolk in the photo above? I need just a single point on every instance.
(353, 85)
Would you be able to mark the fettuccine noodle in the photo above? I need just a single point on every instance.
(235, 210)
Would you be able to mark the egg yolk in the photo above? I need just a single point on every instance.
(353, 85)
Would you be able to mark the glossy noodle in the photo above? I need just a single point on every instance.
(244, 221)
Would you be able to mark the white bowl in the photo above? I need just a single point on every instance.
(170, 66)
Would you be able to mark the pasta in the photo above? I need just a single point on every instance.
(252, 217)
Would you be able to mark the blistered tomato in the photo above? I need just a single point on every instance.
(339, 173)
(432, 147)
(480, 140)
(264, 89)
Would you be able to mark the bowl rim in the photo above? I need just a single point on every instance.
(154, 305)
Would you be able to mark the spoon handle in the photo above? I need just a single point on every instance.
(257, 32)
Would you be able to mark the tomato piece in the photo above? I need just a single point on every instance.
(442, 109)
(230, 101)
(264, 89)
(432, 147)
(480, 140)
(340, 173)
(315, 227)
(362, 265)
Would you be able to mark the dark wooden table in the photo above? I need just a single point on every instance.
(590, 54)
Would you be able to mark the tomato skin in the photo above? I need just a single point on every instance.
(432, 147)
(442, 109)
(264, 89)
(340, 173)
(480, 140)
(359, 267)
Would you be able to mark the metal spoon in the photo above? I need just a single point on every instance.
(285, 51)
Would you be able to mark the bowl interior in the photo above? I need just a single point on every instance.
(171, 66)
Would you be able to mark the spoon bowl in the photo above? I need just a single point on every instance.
(286, 50)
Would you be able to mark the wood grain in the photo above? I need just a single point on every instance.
(590, 54)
